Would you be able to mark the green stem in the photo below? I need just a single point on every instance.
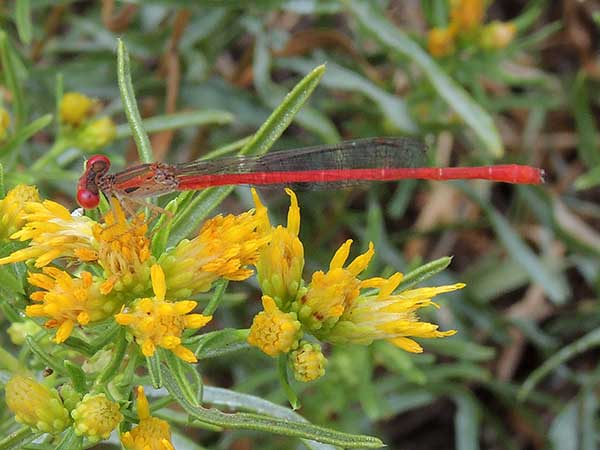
(60, 145)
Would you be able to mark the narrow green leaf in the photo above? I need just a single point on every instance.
(46, 358)
(283, 115)
(553, 282)
(587, 142)
(249, 421)
(25, 133)
(12, 80)
(9, 281)
(588, 180)
(564, 432)
(370, 16)
(129, 104)
(284, 381)
(154, 370)
(423, 273)
(466, 422)
(59, 90)
(70, 441)
(461, 349)
(393, 108)
(218, 343)
(118, 355)
(216, 298)
(191, 389)
(18, 439)
(77, 376)
(176, 121)
(583, 344)
(23, 20)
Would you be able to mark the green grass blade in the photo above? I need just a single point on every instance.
(129, 104)
(372, 19)
(23, 20)
(12, 80)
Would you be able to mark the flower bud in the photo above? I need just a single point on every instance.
(273, 331)
(75, 108)
(97, 134)
(440, 41)
(4, 124)
(308, 362)
(95, 417)
(497, 35)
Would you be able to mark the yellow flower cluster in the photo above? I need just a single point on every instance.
(466, 25)
(337, 306)
(76, 111)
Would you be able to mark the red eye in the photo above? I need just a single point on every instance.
(100, 163)
(87, 199)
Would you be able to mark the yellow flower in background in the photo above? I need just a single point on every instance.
(151, 433)
(497, 35)
(224, 248)
(4, 124)
(74, 108)
(384, 315)
(466, 15)
(330, 293)
(54, 233)
(440, 41)
(123, 250)
(308, 362)
(36, 405)
(12, 207)
(273, 331)
(95, 417)
(158, 322)
(96, 134)
(67, 301)
(281, 262)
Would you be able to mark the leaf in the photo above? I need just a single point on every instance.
(178, 120)
(12, 80)
(18, 439)
(46, 358)
(154, 370)
(23, 20)
(25, 133)
(564, 431)
(118, 355)
(284, 382)
(371, 18)
(393, 108)
(466, 421)
(586, 342)
(218, 343)
(70, 441)
(587, 142)
(588, 180)
(423, 273)
(77, 376)
(129, 104)
(259, 422)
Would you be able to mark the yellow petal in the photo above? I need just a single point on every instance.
(341, 255)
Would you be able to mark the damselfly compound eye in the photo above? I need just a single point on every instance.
(87, 199)
(98, 163)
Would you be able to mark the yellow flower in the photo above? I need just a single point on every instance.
(273, 331)
(281, 261)
(67, 301)
(97, 134)
(95, 417)
(308, 362)
(157, 322)
(4, 124)
(466, 15)
(384, 315)
(440, 41)
(224, 248)
(12, 207)
(54, 233)
(123, 250)
(498, 35)
(35, 405)
(330, 294)
(151, 433)
(75, 108)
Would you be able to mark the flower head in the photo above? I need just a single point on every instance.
(496, 35)
(95, 417)
(12, 208)
(75, 108)
(224, 248)
(36, 405)
(4, 124)
(151, 433)
(331, 293)
(273, 331)
(157, 322)
(281, 261)
(67, 301)
(96, 134)
(54, 233)
(308, 362)
(440, 41)
(384, 315)
(466, 15)
(123, 250)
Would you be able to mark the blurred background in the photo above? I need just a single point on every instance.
(480, 82)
